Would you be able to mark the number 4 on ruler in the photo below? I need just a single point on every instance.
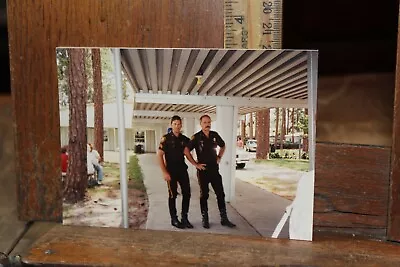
(253, 24)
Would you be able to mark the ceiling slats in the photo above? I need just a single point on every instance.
(220, 72)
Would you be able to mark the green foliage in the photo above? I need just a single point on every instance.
(62, 74)
(107, 71)
(135, 174)
(302, 123)
(275, 155)
(305, 156)
(89, 75)
(298, 165)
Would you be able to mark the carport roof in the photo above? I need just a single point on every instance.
(255, 79)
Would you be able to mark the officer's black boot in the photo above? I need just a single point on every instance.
(185, 221)
(172, 211)
(204, 214)
(175, 222)
(206, 223)
(185, 210)
(224, 219)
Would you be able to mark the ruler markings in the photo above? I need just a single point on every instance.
(253, 24)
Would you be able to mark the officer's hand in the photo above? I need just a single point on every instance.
(167, 177)
(201, 166)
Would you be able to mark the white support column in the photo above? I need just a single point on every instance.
(312, 78)
(146, 140)
(115, 140)
(189, 128)
(158, 137)
(121, 137)
(227, 117)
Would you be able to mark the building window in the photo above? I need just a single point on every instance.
(139, 137)
(105, 136)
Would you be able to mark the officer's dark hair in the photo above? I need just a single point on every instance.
(204, 116)
(176, 118)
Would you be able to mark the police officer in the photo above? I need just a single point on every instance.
(205, 143)
(174, 169)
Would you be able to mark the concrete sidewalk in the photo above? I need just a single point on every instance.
(255, 211)
(113, 156)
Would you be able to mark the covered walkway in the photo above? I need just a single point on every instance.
(255, 211)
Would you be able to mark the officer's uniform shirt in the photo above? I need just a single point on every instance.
(206, 147)
(173, 148)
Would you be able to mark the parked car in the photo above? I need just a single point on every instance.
(251, 145)
(242, 157)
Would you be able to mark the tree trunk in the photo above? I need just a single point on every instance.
(292, 125)
(76, 182)
(283, 129)
(255, 126)
(262, 134)
(287, 118)
(243, 129)
(251, 131)
(276, 126)
(98, 103)
(305, 140)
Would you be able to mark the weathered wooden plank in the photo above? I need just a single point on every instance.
(394, 200)
(36, 28)
(348, 202)
(351, 186)
(32, 234)
(10, 227)
(342, 219)
(343, 116)
(69, 246)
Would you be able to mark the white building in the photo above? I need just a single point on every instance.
(143, 132)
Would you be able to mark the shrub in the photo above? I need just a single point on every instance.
(275, 155)
(304, 156)
(135, 174)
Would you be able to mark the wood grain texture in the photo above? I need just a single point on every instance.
(36, 28)
(351, 186)
(343, 116)
(394, 200)
(88, 246)
(10, 227)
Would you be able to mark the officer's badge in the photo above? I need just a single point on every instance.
(214, 139)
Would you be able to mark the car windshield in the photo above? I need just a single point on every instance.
(252, 142)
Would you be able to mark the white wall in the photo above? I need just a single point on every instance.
(150, 142)
(110, 145)
(110, 115)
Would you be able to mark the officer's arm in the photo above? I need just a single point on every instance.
(161, 162)
(189, 156)
(188, 147)
(221, 144)
(221, 152)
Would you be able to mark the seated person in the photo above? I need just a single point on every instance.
(64, 161)
(95, 159)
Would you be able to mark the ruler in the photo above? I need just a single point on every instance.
(253, 24)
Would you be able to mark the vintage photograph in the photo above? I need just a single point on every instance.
(213, 140)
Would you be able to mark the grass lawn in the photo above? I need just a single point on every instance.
(276, 186)
(294, 164)
(135, 174)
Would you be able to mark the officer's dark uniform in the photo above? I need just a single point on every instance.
(206, 154)
(175, 163)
